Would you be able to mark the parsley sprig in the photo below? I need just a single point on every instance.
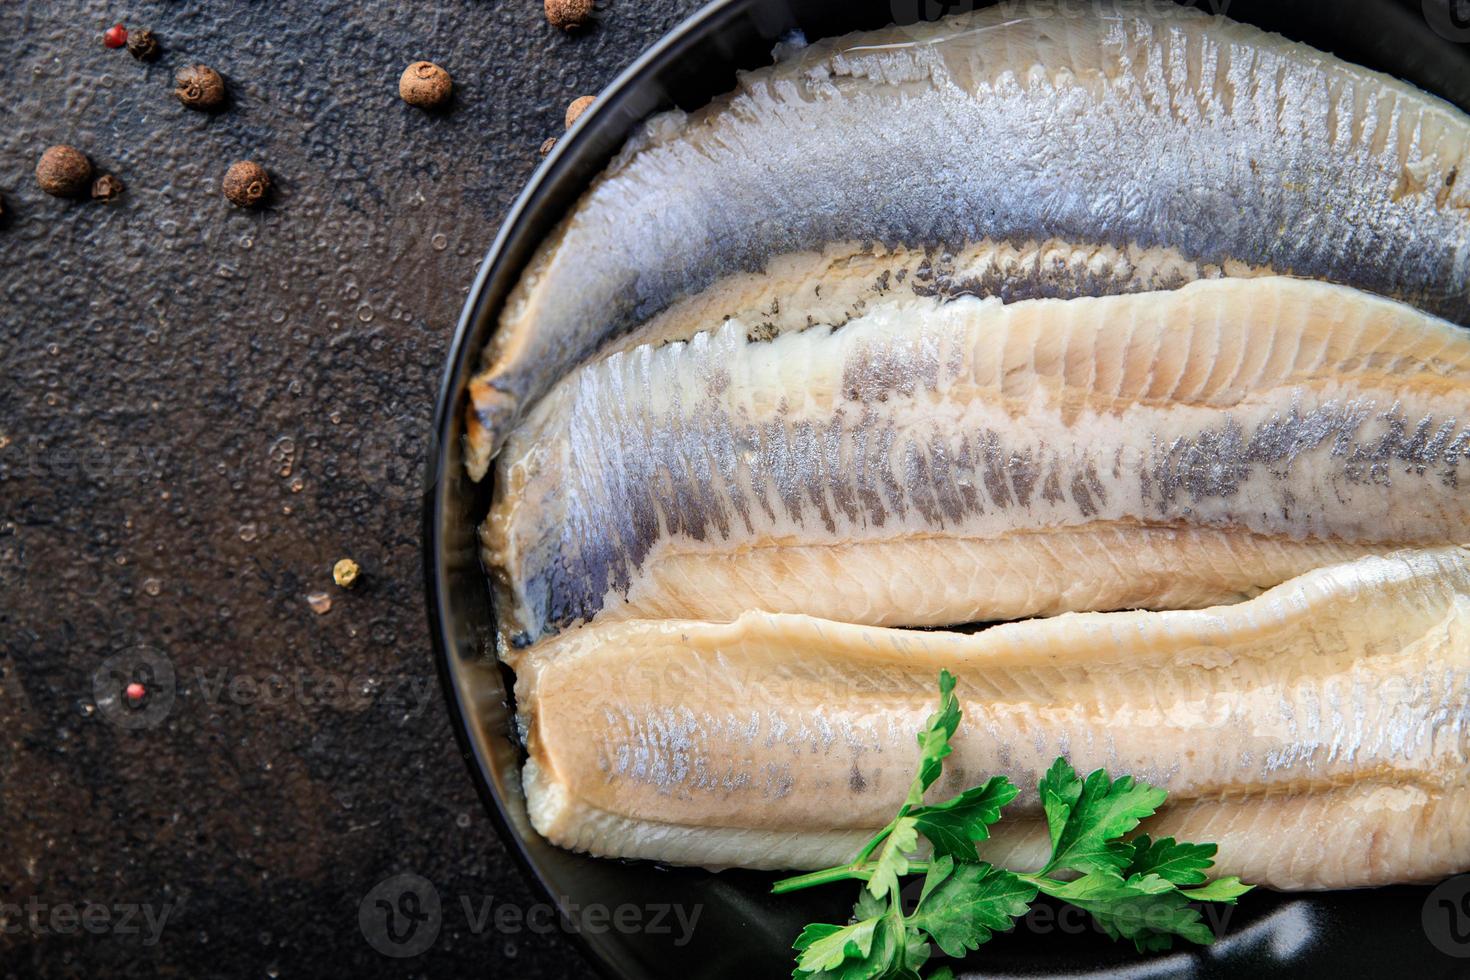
(1141, 889)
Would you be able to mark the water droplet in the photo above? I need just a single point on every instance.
(462, 821)
(297, 485)
(320, 603)
(152, 586)
(364, 313)
(440, 242)
(248, 532)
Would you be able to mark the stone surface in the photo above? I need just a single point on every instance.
(202, 409)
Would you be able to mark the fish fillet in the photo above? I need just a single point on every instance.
(937, 463)
(1318, 732)
(1138, 127)
(838, 283)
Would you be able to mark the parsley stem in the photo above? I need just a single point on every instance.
(842, 872)
(872, 845)
(859, 870)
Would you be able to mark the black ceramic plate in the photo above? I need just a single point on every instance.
(741, 931)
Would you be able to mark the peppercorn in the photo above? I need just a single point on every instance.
(546, 147)
(115, 36)
(568, 14)
(106, 187)
(578, 106)
(345, 573)
(246, 183)
(143, 45)
(199, 87)
(64, 171)
(425, 85)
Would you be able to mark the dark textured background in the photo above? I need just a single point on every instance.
(201, 409)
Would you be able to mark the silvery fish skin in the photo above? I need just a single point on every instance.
(936, 463)
(1137, 126)
(1320, 733)
(838, 283)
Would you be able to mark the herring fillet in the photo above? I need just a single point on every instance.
(1134, 126)
(937, 463)
(838, 283)
(1318, 732)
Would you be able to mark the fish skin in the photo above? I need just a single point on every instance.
(838, 283)
(1128, 125)
(937, 463)
(1320, 733)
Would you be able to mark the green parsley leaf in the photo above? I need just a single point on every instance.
(825, 947)
(954, 826)
(892, 858)
(1180, 862)
(1150, 920)
(1100, 812)
(934, 744)
(1148, 909)
(963, 905)
(868, 907)
(1103, 886)
(1060, 789)
(1220, 890)
(897, 953)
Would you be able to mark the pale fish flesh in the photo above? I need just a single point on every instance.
(1134, 126)
(938, 463)
(1319, 732)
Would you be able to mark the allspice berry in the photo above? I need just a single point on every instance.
(246, 183)
(143, 45)
(425, 85)
(199, 87)
(106, 188)
(578, 107)
(64, 171)
(345, 573)
(568, 14)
